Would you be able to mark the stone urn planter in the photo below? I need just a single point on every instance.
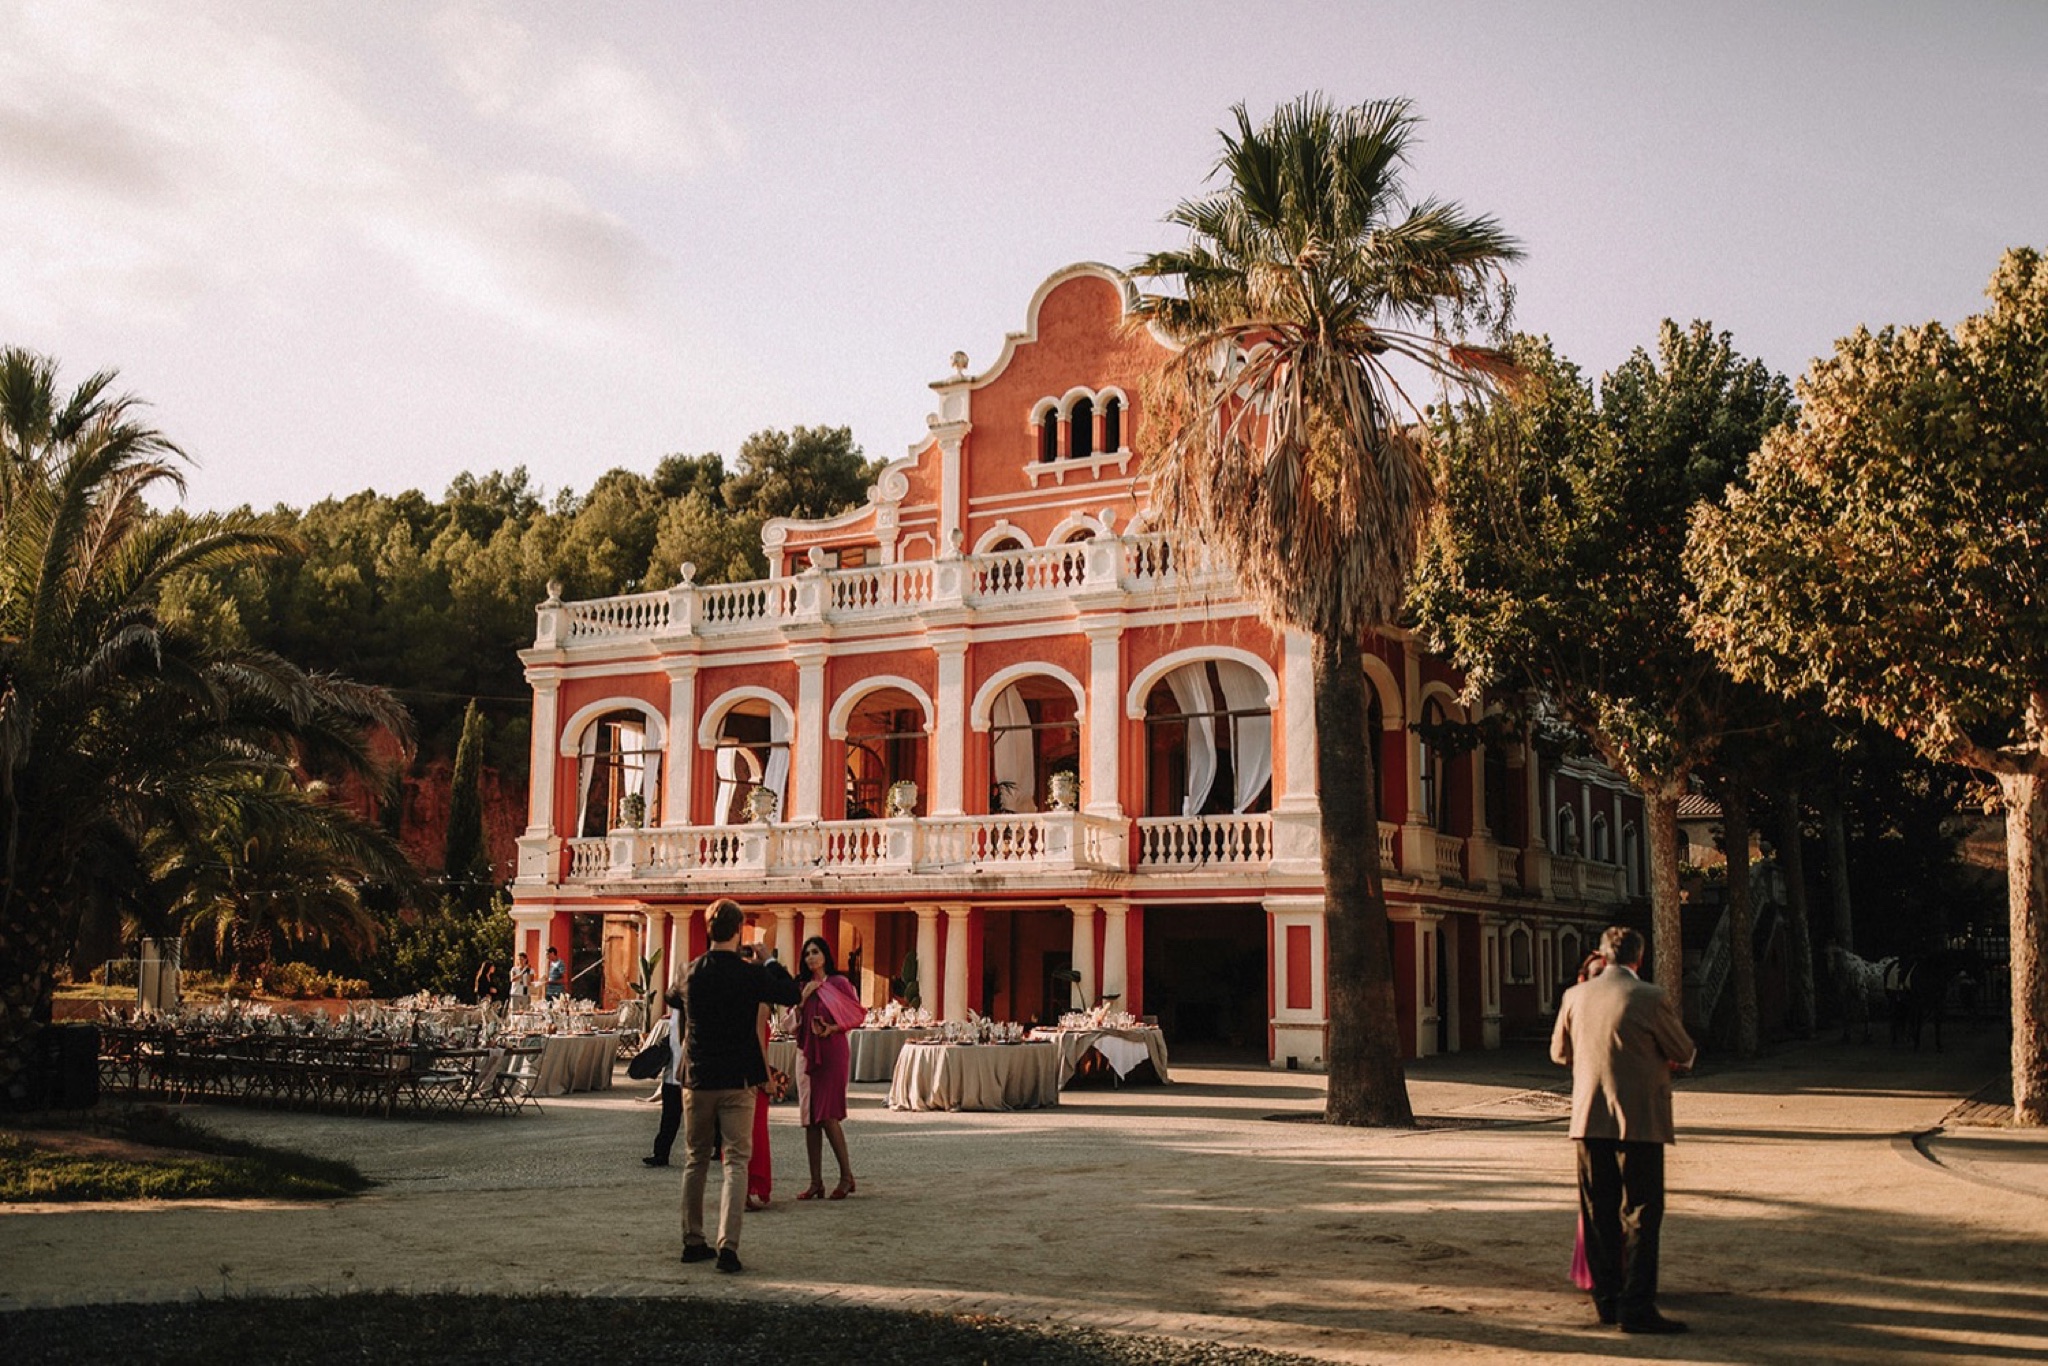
(761, 804)
(1064, 790)
(903, 798)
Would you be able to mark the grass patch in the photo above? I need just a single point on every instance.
(149, 1153)
(490, 1330)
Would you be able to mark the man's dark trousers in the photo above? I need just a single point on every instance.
(1621, 1199)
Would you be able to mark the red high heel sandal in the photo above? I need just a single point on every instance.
(842, 1190)
(816, 1192)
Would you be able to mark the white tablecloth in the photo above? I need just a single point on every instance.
(875, 1051)
(1125, 1049)
(945, 1076)
(575, 1062)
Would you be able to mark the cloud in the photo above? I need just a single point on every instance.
(152, 157)
(589, 99)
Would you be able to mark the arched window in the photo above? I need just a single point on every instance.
(1049, 436)
(1081, 429)
(752, 748)
(1632, 858)
(1435, 809)
(1521, 957)
(1032, 735)
(1113, 424)
(617, 761)
(1601, 852)
(1208, 741)
(885, 745)
(1568, 956)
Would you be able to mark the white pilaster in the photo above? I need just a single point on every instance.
(1116, 972)
(1300, 1032)
(681, 760)
(1084, 953)
(1427, 1007)
(957, 920)
(540, 769)
(1490, 970)
(949, 727)
(928, 957)
(807, 764)
(1100, 794)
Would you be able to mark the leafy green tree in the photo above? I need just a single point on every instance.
(1287, 442)
(1553, 564)
(114, 726)
(1892, 554)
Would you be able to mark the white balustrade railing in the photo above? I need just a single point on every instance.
(738, 605)
(637, 614)
(682, 851)
(589, 858)
(1205, 841)
(1450, 857)
(1507, 865)
(879, 589)
(1390, 845)
(1042, 571)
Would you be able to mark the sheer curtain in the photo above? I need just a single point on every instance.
(1190, 684)
(725, 762)
(777, 776)
(586, 768)
(1252, 739)
(1015, 752)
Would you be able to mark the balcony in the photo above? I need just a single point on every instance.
(1045, 576)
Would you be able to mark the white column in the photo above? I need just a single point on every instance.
(956, 962)
(1084, 952)
(928, 957)
(681, 759)
(678, 947)
(949, 726)
(1116, 972)
(952, 484)
(810, 925)
(1100, 794)
(1295, 785)
(1490, 971)
(1427, 1006)
(807, 764)
(541, 765)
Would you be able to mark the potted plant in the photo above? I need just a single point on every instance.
(632, 811)
(1063, 788)
(761, 803)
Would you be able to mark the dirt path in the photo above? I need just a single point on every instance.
(1805, 1224)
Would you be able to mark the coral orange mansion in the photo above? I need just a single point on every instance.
(991, 728)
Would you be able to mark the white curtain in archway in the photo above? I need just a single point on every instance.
(1190, 684)
(586, 768)
(777, 776)
(1252, 737)
(1014, 752)
(725, 761)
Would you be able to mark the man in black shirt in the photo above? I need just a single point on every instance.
(722, 1064)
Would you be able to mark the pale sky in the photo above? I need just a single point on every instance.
(360, 244)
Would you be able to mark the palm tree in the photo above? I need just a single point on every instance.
(1311, 296)
(117, 730)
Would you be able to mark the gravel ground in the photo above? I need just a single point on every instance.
(489, 1330)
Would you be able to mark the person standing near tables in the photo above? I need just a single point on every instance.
(522, 982)
(487, 983)
(722, 993)
(558, 975)
(671, 1081)
(824, 1063)
(1622, 1039)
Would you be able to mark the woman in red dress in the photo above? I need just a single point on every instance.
(830, 1008)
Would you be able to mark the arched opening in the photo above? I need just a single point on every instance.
(1567, 832)
(1521, 955)
(1049, 437)
(1033, 734)
(1208, 741)
(1601, 851)
(1081, 429)
(752, 750)
(617, 763)
(885, 745)
(1113, 424)
(1430, 755)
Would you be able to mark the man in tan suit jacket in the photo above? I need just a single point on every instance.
(1622, 1039)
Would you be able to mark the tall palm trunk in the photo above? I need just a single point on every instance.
(1735, 827)
(1667, 935)
(1366, 1083)
(1792, 863)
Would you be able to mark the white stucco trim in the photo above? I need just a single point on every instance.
(1141, 686)
(985, 699)
(572, 732)
(714, 715)
(1454, 710)
(1381, 676)
(1073, 522)
(842, 710)
(1001, 530)
(1124, 285)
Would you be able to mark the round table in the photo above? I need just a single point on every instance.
(985, 1076)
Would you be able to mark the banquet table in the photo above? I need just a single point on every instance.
(986, 1076)
(1123, 1048)
(875, 1051)
(782, 1057)
(574, 1062)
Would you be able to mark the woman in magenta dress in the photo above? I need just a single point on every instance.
(830, 1008)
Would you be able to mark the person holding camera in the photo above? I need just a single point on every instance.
(722, 1067)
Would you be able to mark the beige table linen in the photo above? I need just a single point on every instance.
(935, 1076)
(575, 1062)
(1125, 1049)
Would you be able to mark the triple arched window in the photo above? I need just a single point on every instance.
(1082, 425)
